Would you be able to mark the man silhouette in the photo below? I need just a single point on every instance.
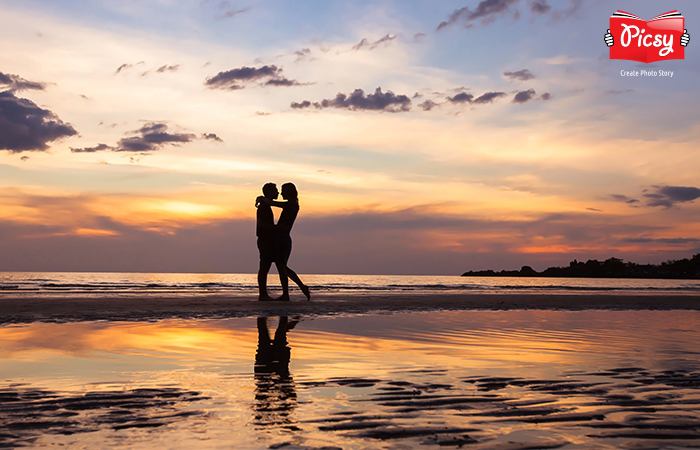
(265, 230)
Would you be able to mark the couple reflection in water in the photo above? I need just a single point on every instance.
(274, 240)
(275, 393)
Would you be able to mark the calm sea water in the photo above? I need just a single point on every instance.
(231, 284)
(496, 380)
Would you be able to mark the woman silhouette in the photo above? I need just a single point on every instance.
(283, 239)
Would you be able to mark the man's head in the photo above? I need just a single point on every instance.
(270, 191)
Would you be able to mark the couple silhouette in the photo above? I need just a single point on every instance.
(274, 240)
(275, 392)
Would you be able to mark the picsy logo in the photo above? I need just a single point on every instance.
(632, 38)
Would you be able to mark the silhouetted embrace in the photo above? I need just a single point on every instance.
(275, 241)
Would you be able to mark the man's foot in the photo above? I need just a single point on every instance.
(305, 289)
(283, 298)
(265, 298)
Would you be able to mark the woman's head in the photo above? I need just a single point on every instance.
(289, 192)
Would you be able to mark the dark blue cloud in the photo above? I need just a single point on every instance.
(488, 97)
(24, 126)
(520, 75)
(486, 12)
(12, 82)
(358, 101)
(235, 79)
(364, 43)
(669, 196)
(150, 137)
(462, 97)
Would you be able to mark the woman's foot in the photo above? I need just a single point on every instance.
(283, 298)
(305, 289)
(265, 298)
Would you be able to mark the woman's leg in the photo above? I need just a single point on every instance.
(292, 274)
(282, 271)
(295, 278)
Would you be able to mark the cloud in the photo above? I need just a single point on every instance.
(24, 126)
(97, 148)
(486, 12)
(671, 241)
(127, 66)
(372, 45)
(16, 83)
(524, 96)
(150, 137)
(167, 68)
(212, 137)
(574, 7)
(624, 199)
(462, 97)
(414, 240)
(358, 101)
(235, 79)
(546, 96)
(669, 196)
(301, 105)
(488, 97)
(122, 67)
(281, 82)
(540, 6)
(663, 196)
(427, 105)
(223, 9)
(520, 75)
(189, 248)
(232, 13)
(302, 54)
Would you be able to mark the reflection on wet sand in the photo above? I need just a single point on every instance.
(496, 381)
(275, 393)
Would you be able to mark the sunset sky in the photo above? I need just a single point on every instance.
(424, 137)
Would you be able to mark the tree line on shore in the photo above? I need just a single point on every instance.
(610, 268)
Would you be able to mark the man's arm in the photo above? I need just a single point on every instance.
(262, 199)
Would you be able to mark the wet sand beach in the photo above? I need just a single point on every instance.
(26, 308)
(496, 380)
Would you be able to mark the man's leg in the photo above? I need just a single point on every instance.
(262, 279)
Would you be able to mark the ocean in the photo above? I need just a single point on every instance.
(174, 284)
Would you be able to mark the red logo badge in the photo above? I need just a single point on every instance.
(661, 38)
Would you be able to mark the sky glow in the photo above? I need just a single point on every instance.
(423, 137)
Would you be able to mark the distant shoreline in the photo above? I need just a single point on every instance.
(18, 309)
(517, 274)
(683, 269)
